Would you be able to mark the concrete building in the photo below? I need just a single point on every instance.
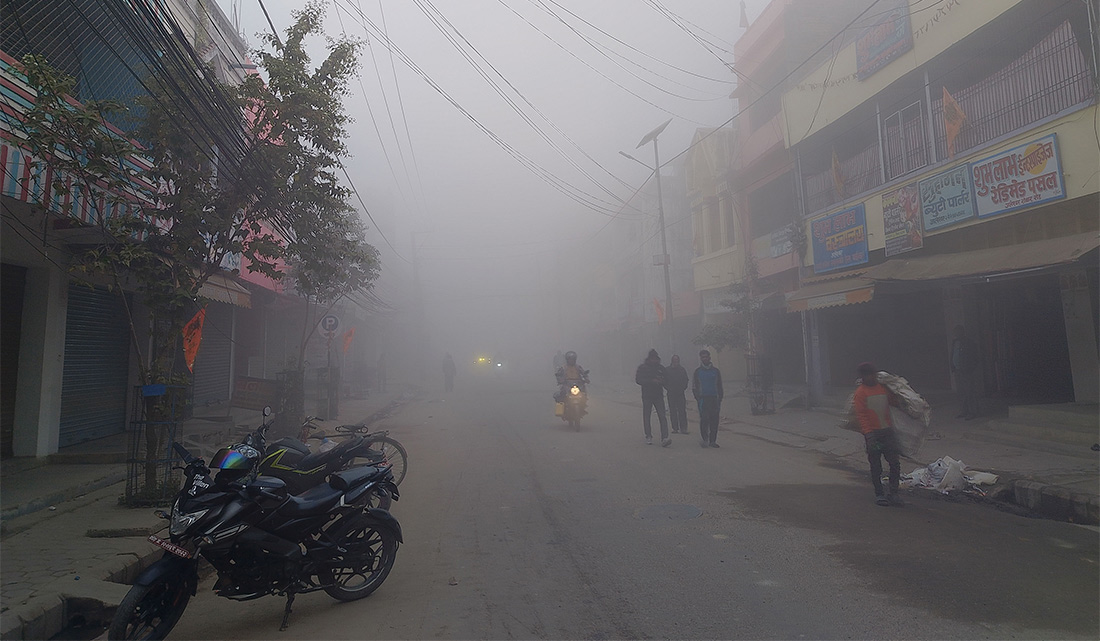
(68, 362)
(946, 161)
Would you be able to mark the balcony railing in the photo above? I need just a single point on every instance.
(1049, 78)
(857, 174)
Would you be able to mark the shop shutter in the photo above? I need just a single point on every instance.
(12, 284)
(97, 356)
(213, 362)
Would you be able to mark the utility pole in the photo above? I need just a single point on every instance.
(665, 260)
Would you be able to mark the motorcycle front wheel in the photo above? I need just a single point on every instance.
(149, 611)
(367, 558)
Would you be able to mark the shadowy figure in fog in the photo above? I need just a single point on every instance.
(559, 361)
(965, 365)
(380, 373)
(676, 382)
(448, 373)
(651, 376)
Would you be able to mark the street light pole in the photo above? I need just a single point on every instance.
(665, 259)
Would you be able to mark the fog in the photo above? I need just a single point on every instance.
(479, 213)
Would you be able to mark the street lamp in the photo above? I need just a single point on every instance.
(652, 137)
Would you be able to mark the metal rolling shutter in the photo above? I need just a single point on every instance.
(97, 357)
(213, 361)
(12, 284)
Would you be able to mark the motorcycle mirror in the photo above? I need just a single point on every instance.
(267, 410)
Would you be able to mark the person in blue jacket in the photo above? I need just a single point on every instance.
(706, 387)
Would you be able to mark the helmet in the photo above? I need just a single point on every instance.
(571, 357)
(234, 462)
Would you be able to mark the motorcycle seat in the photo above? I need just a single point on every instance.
(319, 459)
(316, 500)
(346, 479)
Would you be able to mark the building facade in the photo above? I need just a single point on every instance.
(946, 161)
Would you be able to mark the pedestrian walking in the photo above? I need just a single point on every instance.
(380, 372)
(706, 387)
(676, 382)
(965, 365)
(872, 402)
(448, 373)
(651, 376)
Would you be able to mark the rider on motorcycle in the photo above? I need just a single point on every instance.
(570, 373)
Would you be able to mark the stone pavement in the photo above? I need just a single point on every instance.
(68, 549)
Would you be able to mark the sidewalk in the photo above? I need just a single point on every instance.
(1044, 477)
(69, 548)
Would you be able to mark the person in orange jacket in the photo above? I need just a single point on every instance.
(872, 403)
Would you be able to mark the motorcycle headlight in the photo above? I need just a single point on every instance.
(183, 520)
(575, 390)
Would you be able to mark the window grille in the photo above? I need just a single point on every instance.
(904, 141)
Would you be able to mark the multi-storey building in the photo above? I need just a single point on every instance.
(743, 190)
(68, 361)
(946, 161)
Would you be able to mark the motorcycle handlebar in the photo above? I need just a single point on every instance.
(182, 451)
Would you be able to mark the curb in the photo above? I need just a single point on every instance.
(1055, 501)
(60, 497)
(45, 616)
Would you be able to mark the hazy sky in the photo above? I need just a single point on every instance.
(592, 76)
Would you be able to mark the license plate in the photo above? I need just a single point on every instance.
(171, 547)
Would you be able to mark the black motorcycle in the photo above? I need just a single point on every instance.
(261, 540)
(291, 460)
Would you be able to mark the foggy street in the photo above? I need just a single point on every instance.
(515, 526)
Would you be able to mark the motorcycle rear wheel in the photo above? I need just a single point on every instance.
(370, 553)
(393, 453)
(149, 611)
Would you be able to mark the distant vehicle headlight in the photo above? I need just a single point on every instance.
(575, 391)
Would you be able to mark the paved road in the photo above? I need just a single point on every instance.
(517, 527)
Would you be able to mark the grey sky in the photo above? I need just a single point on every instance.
(478, 214)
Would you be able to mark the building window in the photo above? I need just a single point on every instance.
(904, 141)
(714, 226)
(725, 204)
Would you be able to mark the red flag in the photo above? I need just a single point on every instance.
(660, 311)
(192, 336)
(348, 335)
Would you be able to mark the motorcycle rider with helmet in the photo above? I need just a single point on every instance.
(570, 373)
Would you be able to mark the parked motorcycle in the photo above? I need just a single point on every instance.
(261, 540)
(291, 460)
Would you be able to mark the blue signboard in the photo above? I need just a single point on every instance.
(947, 198)
(840, 239)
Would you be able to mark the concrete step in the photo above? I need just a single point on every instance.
(1028, 437)
(1073, 415)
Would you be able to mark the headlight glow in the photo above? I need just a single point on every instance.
(575, 391)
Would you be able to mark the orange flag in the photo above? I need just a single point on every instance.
(953, 119)
(348, 335)
(660, 311)
(192, 336)
(838, 176)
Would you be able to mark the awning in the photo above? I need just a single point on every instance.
(996, 261)
(225, 290)
(842, 291)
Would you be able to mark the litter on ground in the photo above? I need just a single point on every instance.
(946, 475)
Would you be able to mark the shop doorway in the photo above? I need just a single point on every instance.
(1028, 347)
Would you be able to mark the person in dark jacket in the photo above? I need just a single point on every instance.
(651, 376)
(706, 387)
(676, 382)
(965, 366)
